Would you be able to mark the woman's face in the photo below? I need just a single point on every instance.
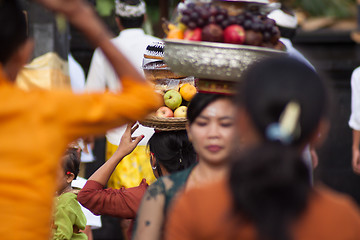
(213, 132)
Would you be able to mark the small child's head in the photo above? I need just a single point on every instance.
(70, 168)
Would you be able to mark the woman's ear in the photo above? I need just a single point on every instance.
(320, 134)
(152, 160)
(188, 132)
(70, 177)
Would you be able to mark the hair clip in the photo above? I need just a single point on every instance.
(288, 127)
(68, 173)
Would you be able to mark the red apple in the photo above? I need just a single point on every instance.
(193, 35)
(234, 34)
(164, 112)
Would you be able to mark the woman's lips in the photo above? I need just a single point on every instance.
(213, 148)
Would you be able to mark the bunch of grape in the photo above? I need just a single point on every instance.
(194, 16)
(198, 16)
(254, 20)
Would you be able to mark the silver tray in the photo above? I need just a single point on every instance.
(246, 1)
(209, 60)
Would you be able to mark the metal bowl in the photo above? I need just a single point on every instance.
(246, 1)
(209, 60)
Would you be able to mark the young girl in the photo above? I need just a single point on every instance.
(69, 218)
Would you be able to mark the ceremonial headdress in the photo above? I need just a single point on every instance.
(124, 9)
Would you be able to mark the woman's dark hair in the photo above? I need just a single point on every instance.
(200, 102)
(12, 28)
(270, 186)
(173, 150)
(72, 161)
(268, 86)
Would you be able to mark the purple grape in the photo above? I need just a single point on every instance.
(192, 25)
(240, 19)
(198, 9)
(185, 19)
(248, 15)
(262, 27)
(268, 26)
(256, 26)
(232, 20)
(190, 5)
(247, 24)
(186, 11)
(200, 22)
(212, 19)
(219, 18)
(272, 21)
(194, 16)
(274, 30)
(225, 23)
(213, 11)
(204, 14)
(223, 11)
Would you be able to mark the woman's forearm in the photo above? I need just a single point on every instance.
(103, 174)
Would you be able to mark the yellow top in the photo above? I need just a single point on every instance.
(35, 128)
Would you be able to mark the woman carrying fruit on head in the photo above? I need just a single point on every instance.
(170, 151)
(210, 128)
(268, 194)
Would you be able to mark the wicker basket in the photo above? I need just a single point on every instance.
(165, 124)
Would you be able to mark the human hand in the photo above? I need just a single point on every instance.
(356, 160)
(128, 143)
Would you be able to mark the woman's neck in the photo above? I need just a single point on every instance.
(206, 173)
(68, 188)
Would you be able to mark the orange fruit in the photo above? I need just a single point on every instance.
(175, 32)
(187, 91)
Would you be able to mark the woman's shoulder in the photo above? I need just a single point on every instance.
(180, 175)
(69, 196)
(332, 197)
(67, 200)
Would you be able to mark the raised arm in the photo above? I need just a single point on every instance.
(81, 15)
(126, 146)
(115, 202)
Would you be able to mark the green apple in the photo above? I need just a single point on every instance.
(180, 111)
(172, 99)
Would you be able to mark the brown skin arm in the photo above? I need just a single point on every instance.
(126, 146)
(355, 152)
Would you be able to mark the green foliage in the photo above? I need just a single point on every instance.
(330, 8)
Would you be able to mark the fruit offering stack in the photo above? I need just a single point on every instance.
(176, 101)
(176, 90)
(215, 23)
